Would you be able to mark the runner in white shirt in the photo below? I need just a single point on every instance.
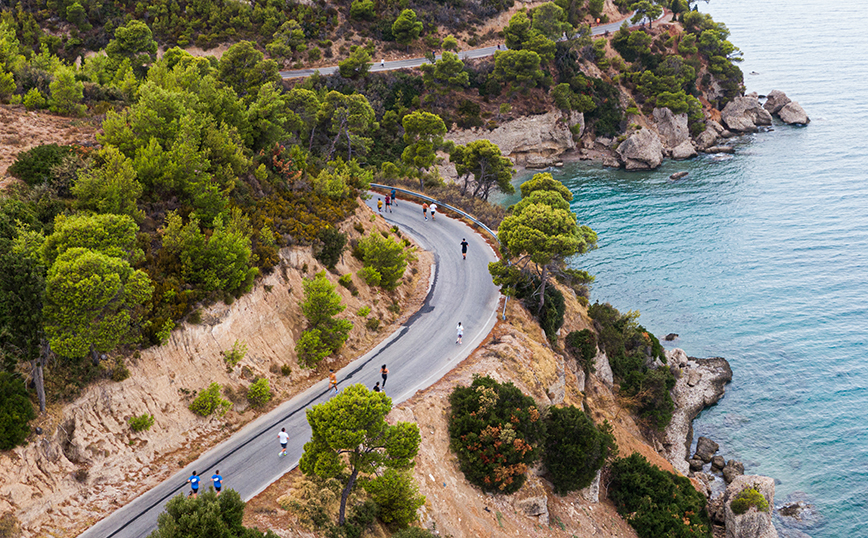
(433, 208)
(284, 438)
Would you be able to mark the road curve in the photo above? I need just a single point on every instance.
(463, 55)
(418, 354)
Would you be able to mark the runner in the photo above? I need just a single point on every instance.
(380, 205)
(389, 203)
(284, 438)
(425, 210)
(433, 209)
(218, 481)
(377, 387)
(194, 485)
(333, 381)
(385, 373)
(394, 200)
(464, 248)
(460, 333)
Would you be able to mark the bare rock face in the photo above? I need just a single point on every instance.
(592, 492)
(671, 127)
(793, 114)
(684, 150)
(690, 401)
(775, 101)
(602, 368)
(744, 114)
(753, 523)
(642, 151)
(535, 507)
(542, 138)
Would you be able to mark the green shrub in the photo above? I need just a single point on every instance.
(362, 10)
(655, 502)
(494, 430)
(575, 448)
(333, 243)
(120, 370)
(583, 346)
(397, 497)
(209, 401)
(325, 333)
(15, 411)
(364, 311)
(386, 257)
(394, 308)
(373, 324)
(34, 99)
(746, 499)
(34, 165)
(234, 355)
(141, 422)
(285, 370)
(259, 392)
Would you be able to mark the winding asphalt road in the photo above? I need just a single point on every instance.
(417, 355)
(462, 55)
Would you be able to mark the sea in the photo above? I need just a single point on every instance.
(762, 258)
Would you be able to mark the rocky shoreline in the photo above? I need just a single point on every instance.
(701, 383)
(546, 140)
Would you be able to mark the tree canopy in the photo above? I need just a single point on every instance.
(483, 160)
(350, 436)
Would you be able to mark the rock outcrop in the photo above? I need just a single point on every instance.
(671, 127)
(753, 523)
(642, 151)
(793, 114)
(684, 150)
(775, 101)
(744, 115)
(709, 378)
(536, 140)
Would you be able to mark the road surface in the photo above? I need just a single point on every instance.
(417, 354)
(462, 55)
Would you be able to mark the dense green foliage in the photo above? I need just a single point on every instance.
(259, 392)
(397, 497)
(332, 246)
(351, 438)
(34, 165)
(385, 260)
(583, 346)
(657, 503)
(324, 334)
(207, 516)
(15, 411)
(575, 448)
(496, 432)
(632, 351)
(747, 498)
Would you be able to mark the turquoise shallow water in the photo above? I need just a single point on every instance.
(763, 258)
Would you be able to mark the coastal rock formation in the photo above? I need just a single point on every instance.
(793, 114)
(642, 151)
(705, 447)
(539, 140)
(732, 470)
(744, 114)
(754, 523)
(775, 101)
(684, 150)
(714, 374)
(706, 139)
(602, 368)
(672, 128)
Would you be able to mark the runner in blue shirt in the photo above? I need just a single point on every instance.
(218, 481)
(194, 484)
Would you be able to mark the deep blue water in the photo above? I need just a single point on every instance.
(763, 258)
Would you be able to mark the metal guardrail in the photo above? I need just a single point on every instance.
(439, 204)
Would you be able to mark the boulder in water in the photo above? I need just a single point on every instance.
(793, 114)
(684, 150)
(642, 151)
(720, 149)
(755, 522)
(672, 336)
(775, 101)
(705, 449)
(732, 470)
(744, 114)
(675, 176)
